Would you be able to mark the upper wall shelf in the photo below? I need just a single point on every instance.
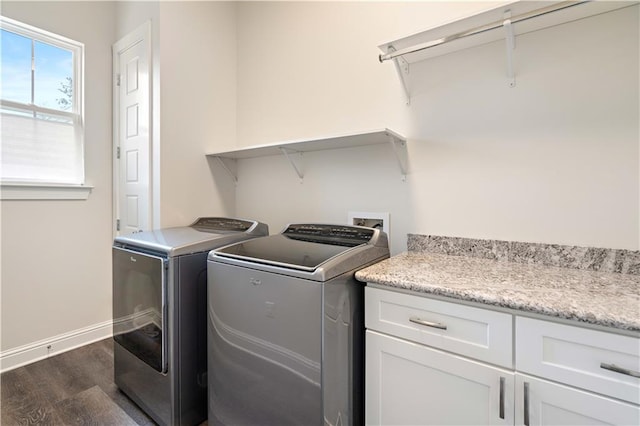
(293, 150)
(504, 22)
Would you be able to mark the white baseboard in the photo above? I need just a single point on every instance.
(23, 355)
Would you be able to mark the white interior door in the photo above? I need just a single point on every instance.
(132, 132)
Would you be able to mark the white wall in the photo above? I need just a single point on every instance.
(198, 113)
(307, 69)
(554, 160)
(56, 257)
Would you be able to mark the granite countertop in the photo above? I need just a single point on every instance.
(601, 298)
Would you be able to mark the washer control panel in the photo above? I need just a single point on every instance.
(330, 234)
(217, 224)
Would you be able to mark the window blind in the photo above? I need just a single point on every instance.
(41, 150)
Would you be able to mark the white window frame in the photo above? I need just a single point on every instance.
(42, 190)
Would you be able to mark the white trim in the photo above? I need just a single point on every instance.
(19, 191)
(27, 354)
(142, 34)
(30, 31)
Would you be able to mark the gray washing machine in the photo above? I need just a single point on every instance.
(159, 311)
(286, 326)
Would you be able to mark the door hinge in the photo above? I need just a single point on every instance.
(117, 224)
(118, 153)
(118, 79)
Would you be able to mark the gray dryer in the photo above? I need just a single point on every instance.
(159, 311)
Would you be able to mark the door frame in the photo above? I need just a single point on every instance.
(142, 34)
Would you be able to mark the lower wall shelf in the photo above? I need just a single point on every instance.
(293, 150)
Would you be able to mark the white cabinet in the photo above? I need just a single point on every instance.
(435, 362)
(541, 402)
(412, 384)
(425, 374)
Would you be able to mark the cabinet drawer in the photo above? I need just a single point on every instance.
(477, 333)
(579, 357)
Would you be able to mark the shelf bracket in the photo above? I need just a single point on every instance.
(399, 147)
(402, 68)
(511, 45)
(288, 153)
(229, 169)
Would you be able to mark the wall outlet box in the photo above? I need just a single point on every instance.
(370, 219)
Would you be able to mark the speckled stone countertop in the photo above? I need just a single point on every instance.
(601, 298)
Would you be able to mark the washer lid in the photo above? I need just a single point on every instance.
(303, 247)
(203, 235)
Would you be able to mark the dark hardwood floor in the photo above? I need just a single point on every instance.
(73, 388)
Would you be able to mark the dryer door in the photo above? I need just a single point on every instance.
(139, 305)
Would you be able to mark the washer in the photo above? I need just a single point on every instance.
(286, 326)
(159, 310)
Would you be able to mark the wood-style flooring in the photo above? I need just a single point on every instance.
(73, 388)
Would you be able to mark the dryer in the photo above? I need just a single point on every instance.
(159, 310)
(286, 326)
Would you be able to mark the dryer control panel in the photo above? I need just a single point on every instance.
(217, 224)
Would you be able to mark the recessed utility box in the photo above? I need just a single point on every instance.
(370, 219)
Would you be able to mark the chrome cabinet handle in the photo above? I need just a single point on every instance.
(502, 397)
(616, 369)
(526, 404)
(428, 323)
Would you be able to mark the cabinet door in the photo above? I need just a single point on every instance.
(539, 402)
(411, 384)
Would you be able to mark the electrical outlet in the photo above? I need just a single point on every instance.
(370, 220)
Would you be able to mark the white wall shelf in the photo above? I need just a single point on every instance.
(500, 23)
(293, 150)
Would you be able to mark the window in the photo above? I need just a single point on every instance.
(41, 107)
